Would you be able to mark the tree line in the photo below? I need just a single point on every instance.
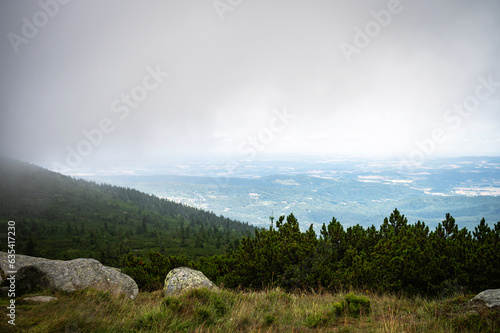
(396, 257)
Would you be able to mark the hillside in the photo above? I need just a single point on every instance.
(59, 217)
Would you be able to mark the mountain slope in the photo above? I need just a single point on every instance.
(59, 217)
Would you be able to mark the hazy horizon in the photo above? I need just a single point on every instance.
(91, 84)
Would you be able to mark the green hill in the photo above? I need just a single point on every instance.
(59, 217)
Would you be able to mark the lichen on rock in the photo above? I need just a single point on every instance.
(181, 279)
(491, 297)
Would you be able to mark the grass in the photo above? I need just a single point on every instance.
(237, 311)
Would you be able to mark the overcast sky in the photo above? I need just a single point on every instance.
(85, 82)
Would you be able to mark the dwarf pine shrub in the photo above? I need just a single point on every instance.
(356, 305)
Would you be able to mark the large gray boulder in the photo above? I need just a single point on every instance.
(491, 297)
(181, 279)
(67, 276)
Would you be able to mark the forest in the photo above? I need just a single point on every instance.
(59, 217)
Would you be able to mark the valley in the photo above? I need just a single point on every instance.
(354, 191)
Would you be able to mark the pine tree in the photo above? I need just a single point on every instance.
(30, 249)
(482, 231)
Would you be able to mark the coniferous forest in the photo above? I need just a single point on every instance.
(59, 217)
(396, 257)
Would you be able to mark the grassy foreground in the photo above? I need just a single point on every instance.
(267, 311)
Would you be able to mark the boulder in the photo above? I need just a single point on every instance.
(181, 279)
(491, 297)
(21, 261)
(68, 276)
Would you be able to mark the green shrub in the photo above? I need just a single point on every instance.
(356, 305)
(337, 308)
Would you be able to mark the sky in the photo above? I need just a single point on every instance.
(94, 82)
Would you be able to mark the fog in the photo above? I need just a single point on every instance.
(90, 82)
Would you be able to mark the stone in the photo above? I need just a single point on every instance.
(40, 299)
(491, 297)
(182, 279)
(68, 276)
(21, 261)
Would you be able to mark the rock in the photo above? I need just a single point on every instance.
(68, 276)
(40, 299)
(181, 279)
(21, 261)
(491, 297)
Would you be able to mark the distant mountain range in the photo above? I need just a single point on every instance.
(354, 191)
